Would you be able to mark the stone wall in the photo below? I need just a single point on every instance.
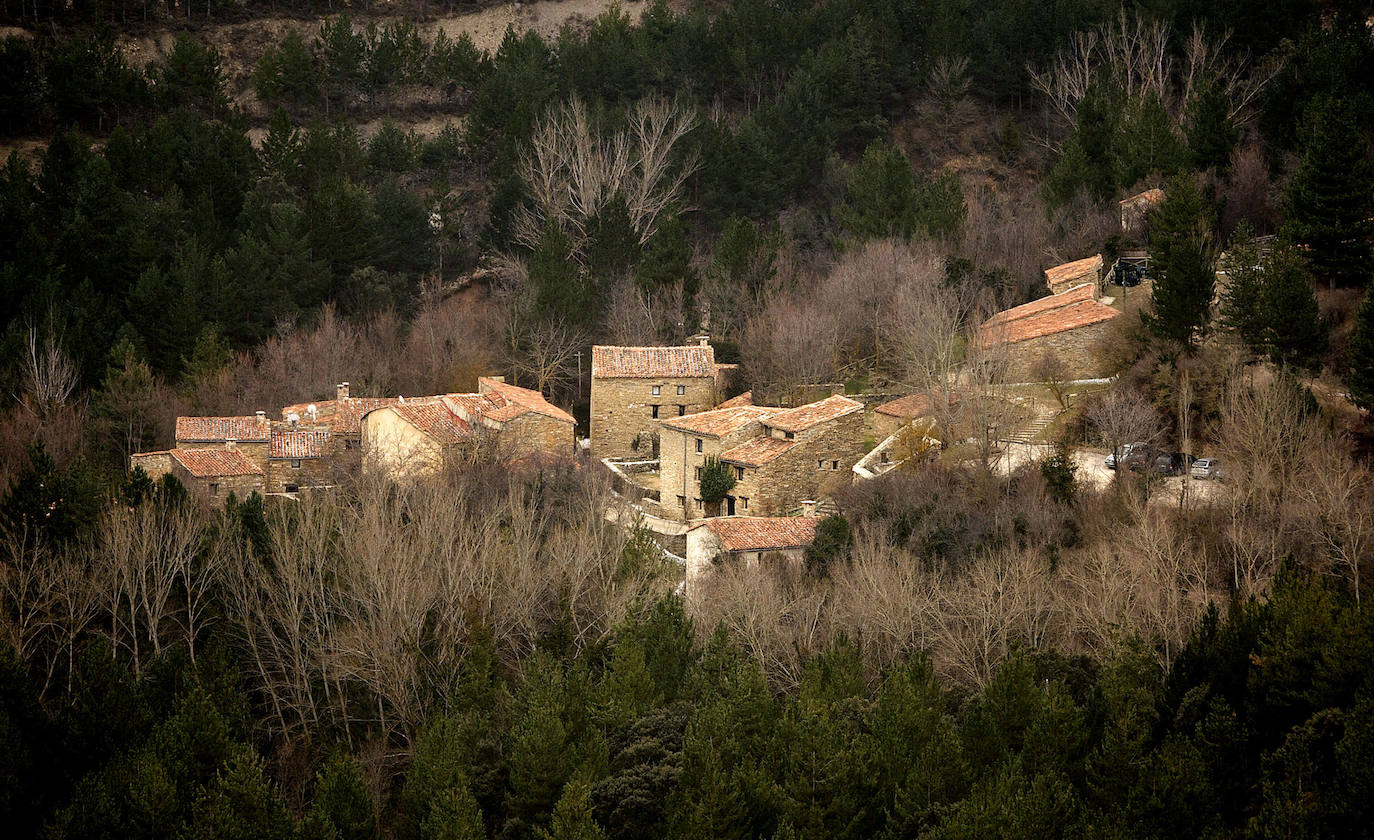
(155, 464)
(780, 486)
(1079, 349)
(678, 460)
(311, 472)
(536, 434)
(622, 411)
(212, 491)
(704, 550)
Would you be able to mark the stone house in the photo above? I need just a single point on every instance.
(633, 388)
(299, 458)
(1135, 210)
(1070, 275)
(892, 415)
(341, 417)
(780, 457)
(1070, 326)
(248, 434)
(503, 422)
(748, 540)
(209, 475)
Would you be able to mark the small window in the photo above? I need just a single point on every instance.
(698, 444)
(681, 410)
(739, 473)
(681, 389)
(744, 500)
(654, 409)
(348, 444)
(698, 473)
(700, 506)
(295, 463)
(682, 501)
(658, 389)
(834, 465)
(292, 488)
(820, 465)
(789, 435)
(214, 489)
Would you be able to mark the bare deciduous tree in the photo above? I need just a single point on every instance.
(1123, 416)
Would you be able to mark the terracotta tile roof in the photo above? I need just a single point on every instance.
(249, 428)
(721, 421)
(804, 417)
(762, 533)
(434, 419)
(1154, 196)
(343, 417)
(912, 405)
(1085, 291)
(747, 398)
(211, 463)
(1064, 318)
(757, 451)
(610, 362)
(300, 443)
(1071, 270)
(530, 399)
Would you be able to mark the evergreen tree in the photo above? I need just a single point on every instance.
(1242, 299)
(1181, 262)
(834, 536)
(1293, 330)
(1211, 133)
(127, 398)
(879, 195)
(454, 815)
(572, 816)
(1361, 354)
(556, 280)
(1331, 196)
(667, 258)
(342, 803)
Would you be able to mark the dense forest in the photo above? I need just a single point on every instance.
(365, 195)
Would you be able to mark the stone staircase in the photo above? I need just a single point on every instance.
(1042, 417)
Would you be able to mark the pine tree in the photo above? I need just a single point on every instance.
(1181, 261)
(1241, 299)
(1330, 197)
(1293, 330)
(1361, 355)
(879, 195)
(454, 816)
(1211, 134)
(572, 816)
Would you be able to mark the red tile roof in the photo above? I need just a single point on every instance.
(721, 421)
(249, 428)
(1061, 319)
(343, 417)
(529, 399)
(912, 405)
(1085, 291)
(610, 362)
(212, 463)
(762, 533)
(434, 419)
(301, 443)
(747, 398)
(1154, 196)
(804, 417)
(757, 451)
(1071, 270)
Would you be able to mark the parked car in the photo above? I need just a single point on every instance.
(1172, 463)
(1141, 459)
(1126, 450)
(1206, 469)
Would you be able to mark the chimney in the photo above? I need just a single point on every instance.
(703, 339)
(341, 391)
(229, 444)
(808, 507)
(501, 378)
(261, 415)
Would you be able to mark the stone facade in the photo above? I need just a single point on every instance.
(536, 435)
(289, 475)
(1078, 349)
(820, 464)
(681, 455)
(777, 541)
(625, 412)
(215, 489)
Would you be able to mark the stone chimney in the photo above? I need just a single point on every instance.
(808, 507)
(261, 415)
(702, 339)
(341, 391)
(229, 444)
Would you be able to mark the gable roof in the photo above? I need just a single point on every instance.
(1061, 319)
(1154, 196)
(912, 405)
(251, 428)
(343, 417)
(747, 398)
(1071, 270)
(757, 451)
(530, 400)
(1084, 291)
(299, 443)
(762, 533)
(215, 463)
(434, 419)
(807, 416)
(719, 422)
(613, 362)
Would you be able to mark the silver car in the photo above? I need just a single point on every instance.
(1206, 469)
